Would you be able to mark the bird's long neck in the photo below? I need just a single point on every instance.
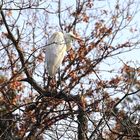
(68, 43)
(68, 46)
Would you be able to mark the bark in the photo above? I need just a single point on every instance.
(82, 120)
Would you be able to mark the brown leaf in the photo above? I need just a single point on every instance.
(9, 13)
(73, 75)
(115, 81)
(85, 18)
(71, 55)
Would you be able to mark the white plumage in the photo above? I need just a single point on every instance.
(56, 48)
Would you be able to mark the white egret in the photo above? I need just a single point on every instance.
(56, 48)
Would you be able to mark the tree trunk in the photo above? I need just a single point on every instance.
(82, 120)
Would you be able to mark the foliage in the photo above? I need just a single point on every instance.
(97, 93)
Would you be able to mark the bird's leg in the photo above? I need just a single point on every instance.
(59, 79)
(49, 79)
(52, 84)
(44, 78)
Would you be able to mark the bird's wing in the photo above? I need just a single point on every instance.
(55, 51)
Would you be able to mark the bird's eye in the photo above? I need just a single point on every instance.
(72, 39)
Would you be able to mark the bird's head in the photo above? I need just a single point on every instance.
(69, 37)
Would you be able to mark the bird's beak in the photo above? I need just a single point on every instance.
(77, 38)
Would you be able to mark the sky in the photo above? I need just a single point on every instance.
(110, 63)
(117, 61)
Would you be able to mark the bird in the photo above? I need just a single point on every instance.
(58, 44)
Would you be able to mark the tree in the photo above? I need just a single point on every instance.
(91, 101)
